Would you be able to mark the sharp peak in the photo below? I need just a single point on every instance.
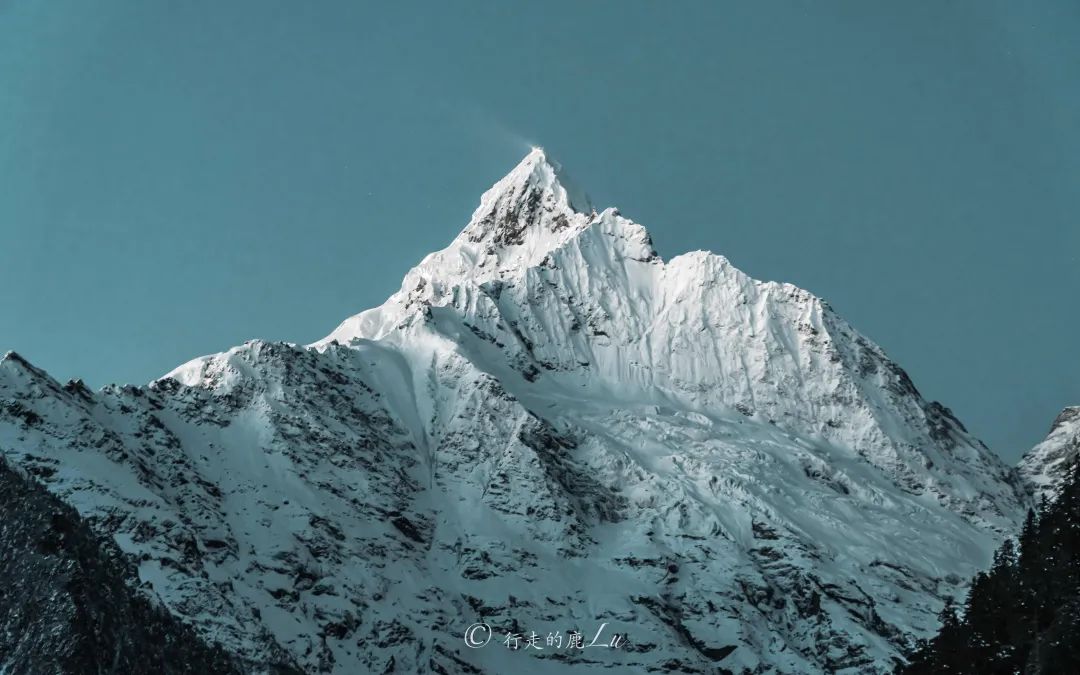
(12, 355)
(538, 154)
(12, 361)
(538, 157)
(539, 170)
(1068, 414)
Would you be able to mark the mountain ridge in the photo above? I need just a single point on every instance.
(1045, 465)
(547, 427)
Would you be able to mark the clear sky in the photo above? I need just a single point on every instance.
(177, 177)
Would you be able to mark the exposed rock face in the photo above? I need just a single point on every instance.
(1044, 465)
(547, 428)
(67, 604)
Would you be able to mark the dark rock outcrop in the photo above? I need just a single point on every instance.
(67, 604)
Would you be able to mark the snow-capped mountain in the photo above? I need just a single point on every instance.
(548, 429)
(1044, 465)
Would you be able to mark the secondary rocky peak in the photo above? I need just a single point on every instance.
(15, 369)
(1045, 465)
(1070, 415)
(13, 356)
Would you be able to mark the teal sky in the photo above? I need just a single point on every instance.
(176, 178)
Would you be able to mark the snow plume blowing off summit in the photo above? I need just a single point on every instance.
(547, 428)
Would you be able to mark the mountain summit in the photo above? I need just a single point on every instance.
(1046, 465)
(548, 429)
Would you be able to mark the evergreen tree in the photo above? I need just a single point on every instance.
(940, 654)
(1023, 614)
(1023, 624)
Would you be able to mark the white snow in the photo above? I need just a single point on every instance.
(547, 424)
(1044, 466)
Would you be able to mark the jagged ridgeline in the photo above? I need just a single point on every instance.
(548, 428)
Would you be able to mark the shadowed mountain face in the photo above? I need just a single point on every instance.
(68, 602)
(548, 428)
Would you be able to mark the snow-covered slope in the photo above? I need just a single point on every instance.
(1044, 466)
(547, 428)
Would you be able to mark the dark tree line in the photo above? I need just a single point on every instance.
(1023, 614)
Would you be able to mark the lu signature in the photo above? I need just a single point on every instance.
(480, 635)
